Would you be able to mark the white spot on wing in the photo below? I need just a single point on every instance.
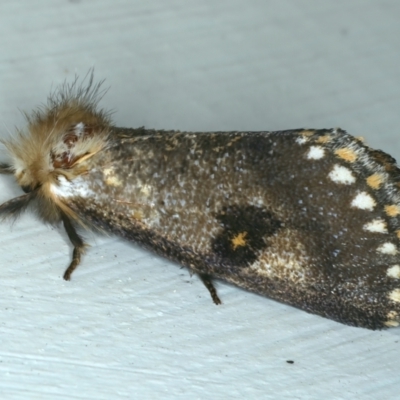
(113, 181)
(145, 190)
(315, 153)
(387, 248)
(394, 295)
(394, 271)
(301, 140)
(108, 171)
(76, 188)
(340, 174)
(391, 323)
(376, 225)
(363, 201)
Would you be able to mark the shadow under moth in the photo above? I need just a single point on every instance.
(310, 218)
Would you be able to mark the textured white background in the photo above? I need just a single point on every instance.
(132, 325)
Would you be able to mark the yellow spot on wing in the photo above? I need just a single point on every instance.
(375, 181)
(234, 140)
(323, 139)
(307, 132)
(239, 240)
(392, 210)
(137, 215)
(304, 136)
(346, 154)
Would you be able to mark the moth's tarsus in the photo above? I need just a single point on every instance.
(15, 207)
(77, 242)
(76, 259)
(207, 280)
(6, 169)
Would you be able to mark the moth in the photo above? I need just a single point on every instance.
(309, 217)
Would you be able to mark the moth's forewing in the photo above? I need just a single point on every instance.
(309, 218)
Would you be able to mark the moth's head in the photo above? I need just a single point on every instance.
(55, 144)
(59, 140)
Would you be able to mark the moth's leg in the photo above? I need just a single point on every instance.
(207, 280)
(77, 242)
(6, 168)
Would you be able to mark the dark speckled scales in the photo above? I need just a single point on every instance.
(293, 215)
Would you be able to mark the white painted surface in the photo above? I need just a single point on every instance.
(129, 324)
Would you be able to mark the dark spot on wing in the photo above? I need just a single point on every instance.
(244, 231)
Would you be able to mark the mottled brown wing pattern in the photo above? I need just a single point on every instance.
(309, 218)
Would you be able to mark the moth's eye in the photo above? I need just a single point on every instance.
(27, 188)
(30, 188)
(21, 178)
(25, 180)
